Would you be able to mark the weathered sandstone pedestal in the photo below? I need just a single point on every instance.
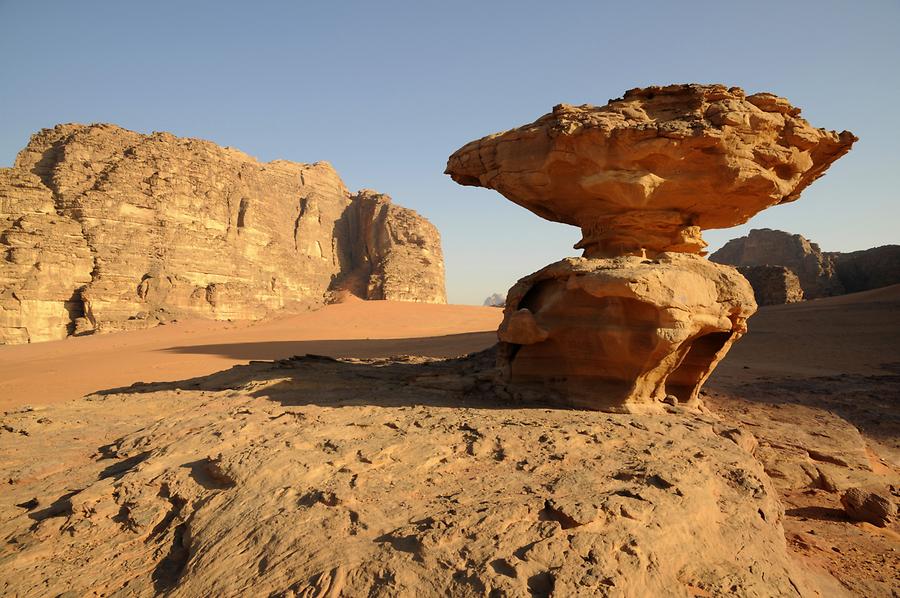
(642, 318)
(617, 333)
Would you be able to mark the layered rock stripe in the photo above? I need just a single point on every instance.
(105, 229)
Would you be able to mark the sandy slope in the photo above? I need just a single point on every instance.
(44, 373)
(850, 334)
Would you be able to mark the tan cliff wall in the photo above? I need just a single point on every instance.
(869, 268)
(766, 247)
(105, 229)
(820, 273)
(394, 253)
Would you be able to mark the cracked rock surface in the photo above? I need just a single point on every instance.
(400, 477)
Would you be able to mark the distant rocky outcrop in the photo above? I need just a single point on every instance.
(773, 285)
(868, 269)
(821, 274)
(395, 253)
(766, 247)
(495, 300)
(106, 229)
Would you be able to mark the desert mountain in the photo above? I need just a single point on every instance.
(869, 268)
(820, 273)
(767, 247)
(495, 300)
(105, 229)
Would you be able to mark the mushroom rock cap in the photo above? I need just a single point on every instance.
(645, 173)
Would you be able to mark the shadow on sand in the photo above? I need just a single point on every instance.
(382, 372)
(468, 381)
(871, 403)
(451, 345)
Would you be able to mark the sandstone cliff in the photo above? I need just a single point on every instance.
(773, 285)
(820, 273)
(868, 269)
(816, 270)
(393, 254)
(106, 229)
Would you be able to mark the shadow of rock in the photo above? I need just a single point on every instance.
(871, 403)
(820, 513)
(451, 345)
(61, 507)
(120, 468)
(398, 381)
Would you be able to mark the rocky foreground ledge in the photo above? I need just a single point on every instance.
(401, 477)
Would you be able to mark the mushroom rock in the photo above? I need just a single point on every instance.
(642, 317)
(645, 173)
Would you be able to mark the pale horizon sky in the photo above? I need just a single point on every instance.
(387, 91)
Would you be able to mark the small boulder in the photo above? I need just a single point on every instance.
(875, 507)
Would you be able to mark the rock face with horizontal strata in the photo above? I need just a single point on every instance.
(773, 285)
(766, 247)
(642, 319)
(105, 229)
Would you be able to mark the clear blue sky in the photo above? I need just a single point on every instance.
(387, 90)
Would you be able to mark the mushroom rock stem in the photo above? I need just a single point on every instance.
(622, 334)
(641, 233)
